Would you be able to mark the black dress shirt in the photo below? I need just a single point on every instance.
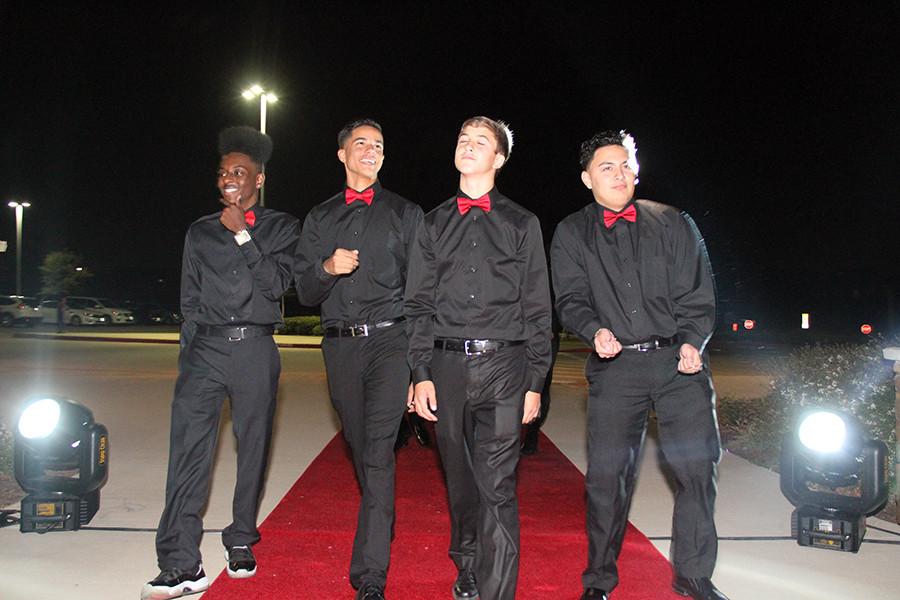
(479, 276)
(226, 284)
(639, 280)
(382, 232)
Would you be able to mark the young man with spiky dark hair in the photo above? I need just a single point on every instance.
(478, 302)
(352, 259)
(632, 279)
(237, 263)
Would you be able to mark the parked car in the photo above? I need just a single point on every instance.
(77, 313)
(19, 310)
(112, 309)
(150, 313)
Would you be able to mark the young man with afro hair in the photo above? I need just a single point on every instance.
(236, 265)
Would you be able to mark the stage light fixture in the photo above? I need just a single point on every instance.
(60, 457)
(835, 475)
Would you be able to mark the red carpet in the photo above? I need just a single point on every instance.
(305, 547)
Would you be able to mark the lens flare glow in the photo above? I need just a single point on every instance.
(823, 432)
(39, 419)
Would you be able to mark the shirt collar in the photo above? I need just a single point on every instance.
(375, 186)
(492, 194)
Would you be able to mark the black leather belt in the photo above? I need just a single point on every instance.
(361, 330)
(473, 347)
(235, 334)
(654, 344)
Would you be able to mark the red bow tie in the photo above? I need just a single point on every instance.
(610, 217)
(463, 204)
(366, 196)
(250, 218)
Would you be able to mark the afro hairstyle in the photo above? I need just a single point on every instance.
(246, 140)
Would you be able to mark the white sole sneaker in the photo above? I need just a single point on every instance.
(158, 592)
(240, 573)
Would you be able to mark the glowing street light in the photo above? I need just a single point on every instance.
(265, 98)
(20, 213)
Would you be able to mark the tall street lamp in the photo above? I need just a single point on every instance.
(265, 98)
(20, 213)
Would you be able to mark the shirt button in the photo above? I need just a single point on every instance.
(235, 271)
(471, 296)
(627, 284)
(474, 217)
(358, 210)
(351, 302)
(232, 317)
(355, 234)
(473, 269)
(352, 280)
(634, 311)
(474, 244)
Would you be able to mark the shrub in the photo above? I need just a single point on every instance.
(853, 378)
(309, 325)
(6, 450)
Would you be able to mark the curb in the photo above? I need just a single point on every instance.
(139, 340)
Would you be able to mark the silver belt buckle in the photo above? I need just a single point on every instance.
(468, 343)
(363, 330)
(240, 337)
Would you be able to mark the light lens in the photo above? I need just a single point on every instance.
(823, 432)
(39, 419)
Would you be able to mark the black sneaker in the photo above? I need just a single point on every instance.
(464, 587)
(174, 583)
(241, 563)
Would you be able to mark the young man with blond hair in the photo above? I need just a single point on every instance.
(478, 305)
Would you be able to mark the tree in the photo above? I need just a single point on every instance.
(62, 274)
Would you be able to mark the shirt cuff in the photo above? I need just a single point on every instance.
(692, 339)
(251, 252)
(537, 384)
(321, 273)
(421, 373)
(591, 330)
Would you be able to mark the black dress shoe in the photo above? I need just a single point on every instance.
(370, 591)
(464, 588)
(419, 429)
(698, 588)
(595, 593)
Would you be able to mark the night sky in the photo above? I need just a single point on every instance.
(777, 129)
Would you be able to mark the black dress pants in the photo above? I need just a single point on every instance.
(368, 378)
(211, 368)
(480, 406)
(622, 391)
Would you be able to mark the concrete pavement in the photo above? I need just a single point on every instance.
(115, 556)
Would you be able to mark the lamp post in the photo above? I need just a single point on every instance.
(265, 98)
(20, 213)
